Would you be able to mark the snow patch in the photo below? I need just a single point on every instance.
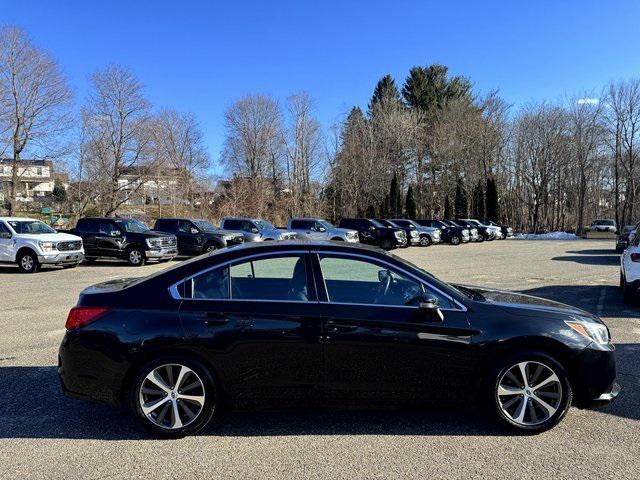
(547, 236)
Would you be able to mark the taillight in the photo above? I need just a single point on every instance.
(81, 316)
(635, 257)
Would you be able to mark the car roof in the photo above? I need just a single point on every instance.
(19, 219)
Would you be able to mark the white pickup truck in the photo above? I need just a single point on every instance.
(30, 243)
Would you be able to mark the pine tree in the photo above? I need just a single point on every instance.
(447, 207)
(430, 88)
(371, 211)
(395, 198)
(461, 205)
(493, 209)
(59, 192)
(478, 201)
(384, 207)
(410, 204)
(385, 91)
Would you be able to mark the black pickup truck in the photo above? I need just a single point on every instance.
(374, 233)
(196, 237)
(124, 238)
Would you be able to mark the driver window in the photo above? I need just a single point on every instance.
(107, 228)
(359, 281)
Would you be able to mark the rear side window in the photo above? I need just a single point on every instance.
(210, 285)
(166, 225)
(231, 224)
(107, 227)
(279, 278)
(303, 224)
(88, 225)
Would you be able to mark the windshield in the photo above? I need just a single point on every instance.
(608, 223)
(325, 224)
(205, 226)
(132, 226)
(30, 226)
(376, 223)
(264, 225)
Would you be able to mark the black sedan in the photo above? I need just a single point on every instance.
(309, 321)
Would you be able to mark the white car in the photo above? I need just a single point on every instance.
(630, 270)
(30, 243)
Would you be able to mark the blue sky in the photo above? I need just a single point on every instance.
(201, 56)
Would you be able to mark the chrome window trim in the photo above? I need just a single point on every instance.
(462, 308)
(173, 289)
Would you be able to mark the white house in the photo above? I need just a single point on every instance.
(35, 179)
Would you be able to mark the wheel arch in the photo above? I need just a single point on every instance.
(23, 249)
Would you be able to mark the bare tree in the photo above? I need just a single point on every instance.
(35, 101)
(115, 118)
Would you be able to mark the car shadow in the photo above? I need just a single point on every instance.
(601, 256)
(33, 406)
(594, 251)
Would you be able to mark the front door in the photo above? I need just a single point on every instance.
(379, 344)
(259, 322)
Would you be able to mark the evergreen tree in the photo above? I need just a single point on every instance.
(447, 207)
(410, 204)
(461, 205)
(478, 201)
(385, 91)
(395, 198)
(493, 209)
(371, 211)
(430, 88)
(384, 207)
(59, 192)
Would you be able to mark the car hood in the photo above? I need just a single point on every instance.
(49, 237)
(277, 232)
(342, 230)
(527, 303)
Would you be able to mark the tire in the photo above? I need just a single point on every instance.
(455, 240)
(163, 402)
(386, 244)
(523, 406)
(425, 240)
(28, 262)
(135, 257)
(74, 265)
(628, 296)
(209, 247)
(480, 239)
(337, 239)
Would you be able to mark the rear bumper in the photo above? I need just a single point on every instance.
(62, 258)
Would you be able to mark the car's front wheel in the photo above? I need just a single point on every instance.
(455, 240)
(531, 392)
(425, 241)
(28, 262)
(135, 257)
(174, 396)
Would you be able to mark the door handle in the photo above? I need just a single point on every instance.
(215, 319)
(338, 328)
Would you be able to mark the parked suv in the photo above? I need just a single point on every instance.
(507, 231)
(452, 234)
(124, 238)
(474, 233)
(493, 232)
(374, 233)
(428, 235)
(319, 229)
(413, 237)
(196, 237)
(256, 229)
(603, 226)
(31, 243)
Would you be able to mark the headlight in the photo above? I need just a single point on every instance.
(47, 246)
(597, 332)
(414, 234)
(153, 242)
(398, 235)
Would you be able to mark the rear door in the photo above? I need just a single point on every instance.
(378, 343)
(259, 321)
(108, 239)
(88, 228)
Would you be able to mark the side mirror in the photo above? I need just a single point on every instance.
(254, 230)
(429, 307)
(322, 229)
(116, 233)
(5, 235)
(194, 231)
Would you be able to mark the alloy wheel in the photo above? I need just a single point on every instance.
(455, 240)
(26, 262)
(172, 396)
(424, 241)
(529, 393)
(135, 257)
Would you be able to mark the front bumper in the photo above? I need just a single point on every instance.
(162, 253)
(62, 258)
(593, 376)
(414, 241)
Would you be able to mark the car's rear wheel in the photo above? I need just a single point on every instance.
(386, 244)
(531, 392)
(135, 257)
(425, 241)
(28, 262)
(174, 396)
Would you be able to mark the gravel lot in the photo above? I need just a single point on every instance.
(45, 435)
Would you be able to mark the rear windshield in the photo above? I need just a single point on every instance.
(607, 223)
